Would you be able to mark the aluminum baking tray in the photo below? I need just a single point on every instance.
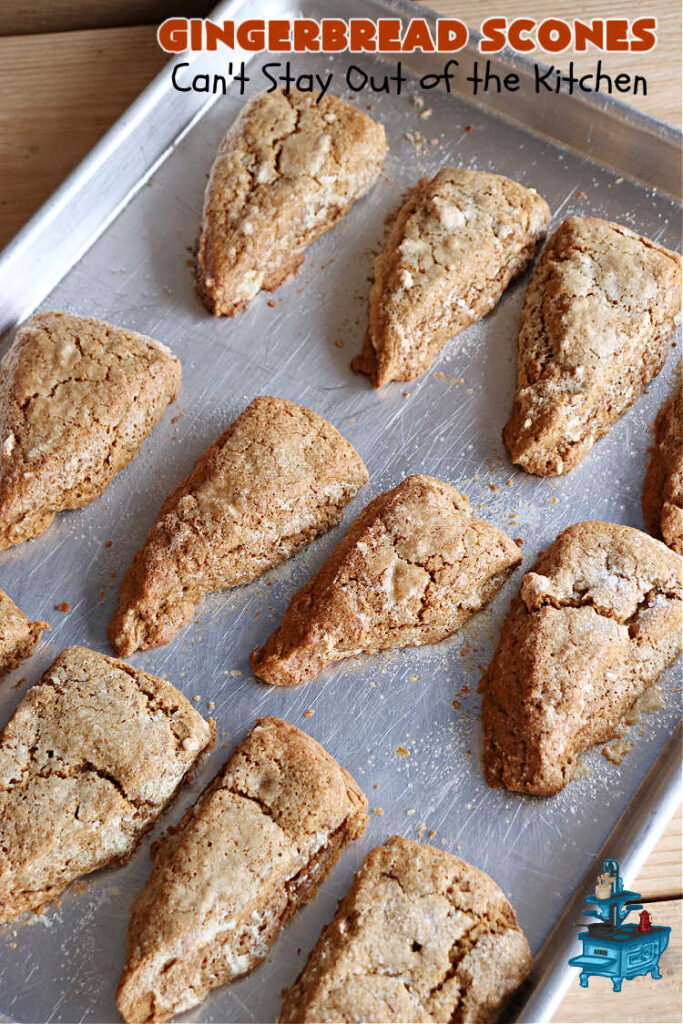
(113, 242)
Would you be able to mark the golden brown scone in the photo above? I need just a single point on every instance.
(287, 171)
(277, 478)
(597, 319)
(663, 490)
(255, 846)
(413, 568)
(421, 936)
(597, 621)
(18, 635)
(77, 398)
(455, 245)
(76, 792)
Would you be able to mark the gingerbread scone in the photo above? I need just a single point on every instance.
(255, 846)
(277, 478)
(18, 635)
(598, 316)
(75, 792)
(420, 936)
(288, 170)
(455, 245)
(413, 568)
(77, 398)
(597, 621)
(663, 489)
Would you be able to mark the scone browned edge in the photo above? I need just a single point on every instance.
(534, 727)
(370, 967)
(18, 634)
(359, 147)
(152, 990)
(166, 579)
(663, 488)
(78, 757)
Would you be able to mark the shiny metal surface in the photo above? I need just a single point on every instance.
(64, 964)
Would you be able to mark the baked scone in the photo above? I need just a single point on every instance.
(77, 398)
(413, 568)
(663, 490)
(287, 171)
(596, 323)
(75, 791)
(597, 620)
(455, 245)
(277, 478)
(420, 936)
(255, 846)
(18, 635)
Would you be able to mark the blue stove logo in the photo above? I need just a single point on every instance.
(612, 949)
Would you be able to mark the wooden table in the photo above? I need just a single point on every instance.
(60, 90)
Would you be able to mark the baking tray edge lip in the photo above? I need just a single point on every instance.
(600, 103)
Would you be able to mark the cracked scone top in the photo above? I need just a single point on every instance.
(413, 568)
(18, 635)
(277, 478)
(598, 315)
(257, 843)
(421, 936)
(455, 245)
(75, 793)
(663, 489)
(288, 170)
(77, 398)
(597, 620)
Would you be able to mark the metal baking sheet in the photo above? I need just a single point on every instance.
(113, 243)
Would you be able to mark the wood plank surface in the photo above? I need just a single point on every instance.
(60, 91)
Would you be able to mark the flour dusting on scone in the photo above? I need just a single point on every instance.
(226, 880)
(18, 635)
(598, 316)
(77, 399)
(455, 245)
(413, 568)
(420, 936)
(91, 757)
(287, 171)
(663, 489)
(277, 478)
(597, 621)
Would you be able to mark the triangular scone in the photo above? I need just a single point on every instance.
(454, 247)
(288, 170)
(277, 478)
(89, 760)
(597, 319)
(597, 621)
(227, 879)
(412, 569)
(77, 398)
(18, 635)
(420, 936)
(663, 490)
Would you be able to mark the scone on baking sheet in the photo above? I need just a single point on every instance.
(455, 245)
(287, 171)
(663, 490)
(277, 478)
(413, 568)
(597, 620)
(255, 846)
(598, 316)
(18, 635)
(420, 936)
(76, 792)
(77, 398)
